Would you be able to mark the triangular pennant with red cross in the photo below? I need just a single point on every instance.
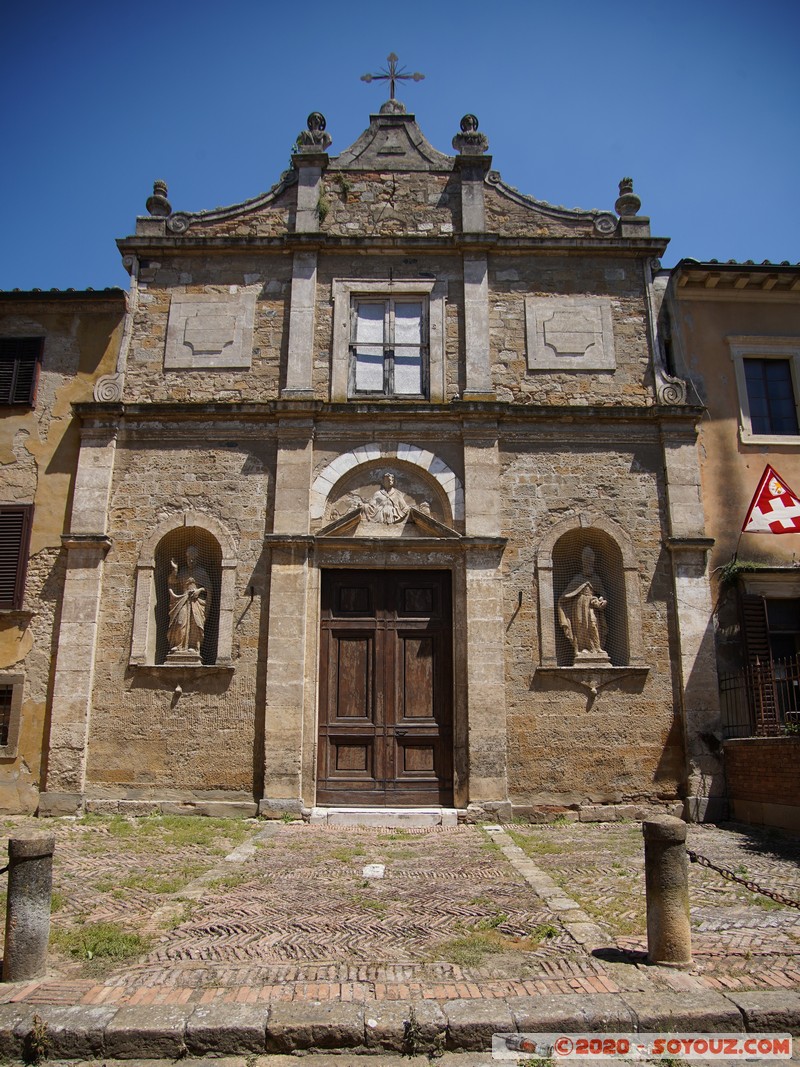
(774, 507)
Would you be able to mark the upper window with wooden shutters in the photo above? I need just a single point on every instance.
(19, 369)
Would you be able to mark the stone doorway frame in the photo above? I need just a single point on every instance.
(292, 706)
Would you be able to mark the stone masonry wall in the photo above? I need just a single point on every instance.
(508, 218)
(371, 204)
(512, 278)
(147, 380)
(144, 737)
(268, 220)
(565, 747)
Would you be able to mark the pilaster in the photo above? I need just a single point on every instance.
(482, 497)
(287, 649)
(705, 784)
(301, 326)
(486, 701)
(476, 327)
(74, 675)
(86, 547)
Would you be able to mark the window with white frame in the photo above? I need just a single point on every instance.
(388, 340)
(388, 347)
(768, 384)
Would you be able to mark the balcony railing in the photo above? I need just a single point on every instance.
(762, 700)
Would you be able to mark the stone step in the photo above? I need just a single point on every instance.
(409, 818)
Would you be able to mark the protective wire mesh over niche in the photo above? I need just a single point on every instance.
(591, 617)
(187, 584)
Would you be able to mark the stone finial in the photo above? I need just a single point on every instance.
(392, 107)
(314, 139)
(157, 204)
(469, 142)
(628, 202)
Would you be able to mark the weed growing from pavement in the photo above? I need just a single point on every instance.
(179, 916)
(36, 1045)
(379, 906)
(346, 853)
(103, 941)
(229, 881)
(532, 844)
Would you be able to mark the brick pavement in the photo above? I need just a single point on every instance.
(294, 918)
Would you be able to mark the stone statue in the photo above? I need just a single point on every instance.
(189, 602)
(387, 505)
(581, 611)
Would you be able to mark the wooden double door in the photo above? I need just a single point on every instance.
(385, 700)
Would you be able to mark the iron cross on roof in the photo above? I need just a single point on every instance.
(392, 75)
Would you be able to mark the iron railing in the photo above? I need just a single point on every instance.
(762, 700)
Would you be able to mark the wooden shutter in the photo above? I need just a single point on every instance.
(19, 369)
(755, 631)
(15, 527)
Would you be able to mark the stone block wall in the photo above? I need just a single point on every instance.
(145, 735)
(147, 380)
(514, 278)
(567, 745)
(763, 775)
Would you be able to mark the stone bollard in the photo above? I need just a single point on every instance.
(666, 870)
(30, 883)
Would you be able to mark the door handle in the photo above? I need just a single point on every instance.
(401, 733)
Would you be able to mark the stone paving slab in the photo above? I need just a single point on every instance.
(465, 1025)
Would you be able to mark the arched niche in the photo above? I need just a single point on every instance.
(217, 554)
(558, 560)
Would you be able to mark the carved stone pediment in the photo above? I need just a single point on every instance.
(415, 523)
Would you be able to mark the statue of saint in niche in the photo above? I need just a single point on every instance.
(189, 602)
(388, 505)
(581, 611)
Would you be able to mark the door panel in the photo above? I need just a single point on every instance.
(385, 723)
(353, 675)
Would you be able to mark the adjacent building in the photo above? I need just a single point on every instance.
(53, 348)
(734, 336)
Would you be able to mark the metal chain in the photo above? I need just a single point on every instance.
(732, 877)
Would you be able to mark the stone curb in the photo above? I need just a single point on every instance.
(160, 1031)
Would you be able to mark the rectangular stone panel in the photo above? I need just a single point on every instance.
(569, 333)
(209, 331)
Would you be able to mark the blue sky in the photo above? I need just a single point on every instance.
(697, 101)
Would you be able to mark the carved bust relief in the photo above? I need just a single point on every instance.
(569, 333)
(378, 507)
(208, 331)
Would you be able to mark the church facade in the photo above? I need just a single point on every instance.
(389, 501)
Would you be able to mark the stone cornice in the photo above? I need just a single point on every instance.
(457, 243)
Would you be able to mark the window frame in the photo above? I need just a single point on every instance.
(36, 341)
(346, 293)
(26, 510)
(16, 683)
(389, 346)
(786, 349)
